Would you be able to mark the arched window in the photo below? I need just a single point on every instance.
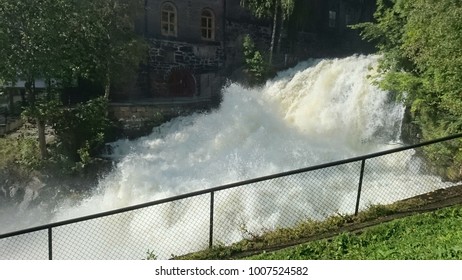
(207, 25)
(169, 21)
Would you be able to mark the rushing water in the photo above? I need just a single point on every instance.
(316, 112)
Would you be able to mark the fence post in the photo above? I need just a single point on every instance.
(50, 246)
(212, 202)
(361, 175)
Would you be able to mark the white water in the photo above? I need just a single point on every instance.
(317, 112)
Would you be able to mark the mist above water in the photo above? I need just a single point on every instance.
(317, 112)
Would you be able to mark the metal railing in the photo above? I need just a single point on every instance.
(222, 215)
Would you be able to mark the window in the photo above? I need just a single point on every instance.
(207, 25)
(168, 20)
(332, 18)
(347, 19)
(349, 16)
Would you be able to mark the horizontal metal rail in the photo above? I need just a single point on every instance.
(227, 186)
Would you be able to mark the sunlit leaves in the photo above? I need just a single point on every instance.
(65, 39)
(422, 58)
(278, 10)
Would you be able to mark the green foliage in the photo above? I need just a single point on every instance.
(420, 43)
(278, 10)
(91, 39)
(109, 50)
(306, 230)
(22, 152)
(265, 8)
(254, 62)
(28, 153)
(81, 130)
(43, 107)
(151, 256)
(65, 40)
(216, 252)
(80, 133)
(424, 236)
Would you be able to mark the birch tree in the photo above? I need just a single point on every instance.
(278, 10)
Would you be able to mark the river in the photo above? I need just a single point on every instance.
(319, 111)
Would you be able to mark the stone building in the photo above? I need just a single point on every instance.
(332, 25)
(316, 28)
(196, 45)
(186, 52)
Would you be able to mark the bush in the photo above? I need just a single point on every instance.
(254, 63)
(22, 152)
(81, 130)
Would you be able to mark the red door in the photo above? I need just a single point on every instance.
(181, 83)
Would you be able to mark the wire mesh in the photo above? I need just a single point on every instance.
(164, 230)
(284, 202)
(228, 214)
(398, 176)
(29, 246)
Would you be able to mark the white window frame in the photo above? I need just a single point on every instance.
(207, 27)
(169, 19)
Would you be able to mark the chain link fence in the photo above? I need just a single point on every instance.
(223, 215)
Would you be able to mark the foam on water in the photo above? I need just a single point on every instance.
(316, 112)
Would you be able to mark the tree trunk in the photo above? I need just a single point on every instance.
(273, 34)
(11, 99)
(107, 86)
(22, 92)
(30, 90)
(281, 30)
(41, 138)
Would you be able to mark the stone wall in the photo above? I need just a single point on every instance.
(180, 57)
(201, 58)
(311, 35)
(197, 60)
(194, 60)
(138, 119)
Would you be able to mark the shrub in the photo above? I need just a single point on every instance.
(254, 62)
(81, 130)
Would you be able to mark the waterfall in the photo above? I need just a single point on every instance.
(319, 111)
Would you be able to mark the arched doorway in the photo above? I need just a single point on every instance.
(181, 83)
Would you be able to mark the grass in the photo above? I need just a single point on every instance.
(307, 231)
(429, 236)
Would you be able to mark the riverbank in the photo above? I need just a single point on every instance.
(23, 176)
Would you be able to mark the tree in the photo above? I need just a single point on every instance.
(62, 40)
(114, 51)
(420, 42)
(253, 61)
(30, 50)
(278, 10)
